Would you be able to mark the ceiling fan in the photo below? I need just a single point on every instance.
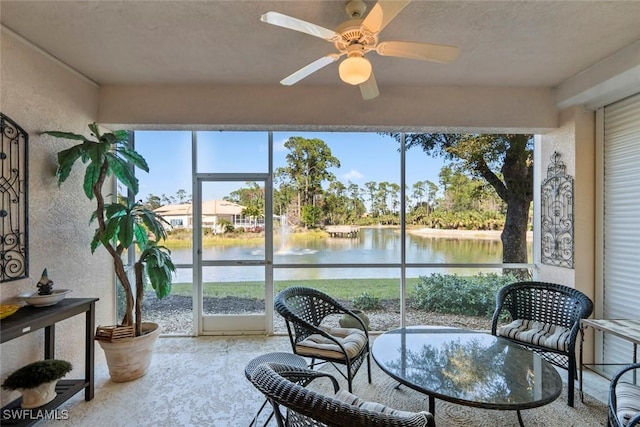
(357, 36)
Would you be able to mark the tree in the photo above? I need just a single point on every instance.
(505, 162)
(419, 191)
(336, 203)
(310, 216)
(394, 195)
(381, 198)
(182, 196)
(251, 196)
(283, 198)
(153, 202)
(167, 200)
(461, 192)
(308, 163)
(225, 225)
(356, 204)
(371, 187)
(432, 190)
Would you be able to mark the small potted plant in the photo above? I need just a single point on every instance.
(37, 381)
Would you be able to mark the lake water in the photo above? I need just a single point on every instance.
(372, 246)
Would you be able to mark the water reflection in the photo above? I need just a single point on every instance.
(448, 250)
(473, 367)
(372, 246)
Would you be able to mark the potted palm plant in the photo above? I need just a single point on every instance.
(121, 224)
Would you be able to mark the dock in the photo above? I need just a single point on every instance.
(349, 231)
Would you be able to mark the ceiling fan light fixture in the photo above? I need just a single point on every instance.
(357, 37)
(355, 70)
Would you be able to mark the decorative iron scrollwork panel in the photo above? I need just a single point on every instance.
(557, 215)
(14, 261)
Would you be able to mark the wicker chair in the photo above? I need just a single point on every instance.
(284, 386)
(624, 399)
(546, 319)
(303, 310)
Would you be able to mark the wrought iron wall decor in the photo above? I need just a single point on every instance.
(557, 215)
(14, 261)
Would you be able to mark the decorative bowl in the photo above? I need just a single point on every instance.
(32, 298)
(7, 310)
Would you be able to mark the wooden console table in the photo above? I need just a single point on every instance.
(29, 319)
(627, 329)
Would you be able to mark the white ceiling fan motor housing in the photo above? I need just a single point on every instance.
(352, 32)
(355, 9)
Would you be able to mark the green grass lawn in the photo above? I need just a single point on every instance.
(345, 289)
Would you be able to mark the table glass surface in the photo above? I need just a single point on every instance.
(467, 367)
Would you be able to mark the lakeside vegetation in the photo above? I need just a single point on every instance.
(182, 238)
(344, 289)
(438, 293)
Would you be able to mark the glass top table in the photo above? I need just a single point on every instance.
(467, 367)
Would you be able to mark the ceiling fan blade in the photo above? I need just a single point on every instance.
(296, 24)
(369, 89)
(424, 51)
(382, 13)
(309, 69)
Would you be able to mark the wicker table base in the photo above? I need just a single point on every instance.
(278, 357)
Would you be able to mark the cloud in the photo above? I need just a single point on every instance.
(279, 145)
(353, 175)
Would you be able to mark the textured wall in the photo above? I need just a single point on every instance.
(41, 95)
(585, 204)
(575, 141)
(563, 141)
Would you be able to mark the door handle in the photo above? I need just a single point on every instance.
(250, 262)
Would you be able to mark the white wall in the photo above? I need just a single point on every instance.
(399, 108)
(39, 94)
(574, 140)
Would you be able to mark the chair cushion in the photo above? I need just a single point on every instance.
(627, 401)
(538, 333)
(350, 399)
(353, 340)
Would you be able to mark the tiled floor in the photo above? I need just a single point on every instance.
(193, 381)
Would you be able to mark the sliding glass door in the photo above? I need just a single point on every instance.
(232, 256)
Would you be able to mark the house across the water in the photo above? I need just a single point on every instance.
(213, 211)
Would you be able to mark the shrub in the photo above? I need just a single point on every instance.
(366, 301)
(452, 294)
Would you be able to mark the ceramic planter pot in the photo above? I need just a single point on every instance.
(347, 321)
(129, 359)
(38, 396)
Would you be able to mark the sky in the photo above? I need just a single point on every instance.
(363, 157)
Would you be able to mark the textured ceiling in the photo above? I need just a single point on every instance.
(502, 43)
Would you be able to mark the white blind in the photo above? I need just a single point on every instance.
(621, 222)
